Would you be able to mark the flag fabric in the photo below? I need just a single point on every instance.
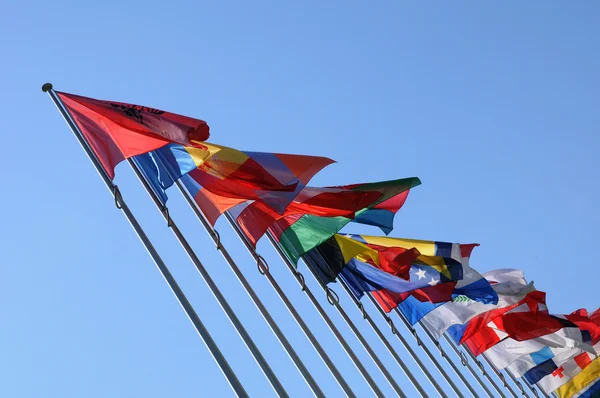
(441, 292)
(528, 320)
(375, 203)
(485, 330)
(273, 179)
(481, 321)
(476, 294)
(299, 233)
(524, 363)
(585, 384)
(365, 268)
(440, 253)
(330, 258)
(557, 371)
(508, 350)
(446, 257)
(118, 131)
(592, 390)
(521, 365)
(336, 257)
(363, 277)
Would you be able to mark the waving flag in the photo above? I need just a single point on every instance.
(485, 330)
(369, 203)
(271, 178)
(508, 350)
(445, 257)
(586, 384)
(117, 131)
(331, 257)
(524, 363)
(530, 320)
(557, 371)
(366, 268)
(476, 294)
(299, 233)
(336, 257)
(442, 254)
(481, 321)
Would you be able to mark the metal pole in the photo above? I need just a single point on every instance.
(300, 278)
(255, 299)
(390, 348)
(517, 383)
(166, 274)
(331, 298)
(438, 346)
(264, 270)
(531, 388)
(498, 374)
(212, 286)
(385, 342)
(464, 360)
(424, 347)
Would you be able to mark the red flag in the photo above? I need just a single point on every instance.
(439, 293)
(530, 320)
(481, 321)
(117, 131)
(340, 201)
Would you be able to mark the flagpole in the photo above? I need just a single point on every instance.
(300, 278)
(333, 300)
(387, 344)
(237, 324)
(539, 388)
(408, 348)
(516, 382)
(263, 268)
(213, 348)
(425, 348)
(530, 387)
(498, 374)
(466, 363)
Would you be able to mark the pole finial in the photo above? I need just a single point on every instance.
(47, 87)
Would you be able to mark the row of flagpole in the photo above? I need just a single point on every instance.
(330, 294)
(263, 269)
(235, 383)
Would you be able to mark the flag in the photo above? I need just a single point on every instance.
(557, 371)
(365, 268)
(299, 233)
(508, 350)
(521, 365)
(529, 320)
(383, 198)
(272, 178)
(275, 179)
(592, 390)
(480, 322)
(441, 292)
(585, 384)
(446, 257)
(526, 362)
(331, 257)
(440, 253)
(118, 131)
(483, 331)
(475, 294)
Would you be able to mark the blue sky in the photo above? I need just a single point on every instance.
(494, 106)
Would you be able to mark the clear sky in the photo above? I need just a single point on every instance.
(494, 106)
